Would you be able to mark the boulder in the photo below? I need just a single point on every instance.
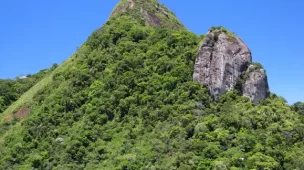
(59, 140)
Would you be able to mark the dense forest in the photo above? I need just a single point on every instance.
(126, 100)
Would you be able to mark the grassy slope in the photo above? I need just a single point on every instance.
(26, 100)
(27, 97)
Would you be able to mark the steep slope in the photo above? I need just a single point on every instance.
(126, 100)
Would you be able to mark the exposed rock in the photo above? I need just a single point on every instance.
(150, 18)
(221, 59)
(256, 84)
(123, 7)
(222, 62)
(59, 140)
(132, 3)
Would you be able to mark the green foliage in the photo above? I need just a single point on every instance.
(2, 104)
(298, 107)
(11, 90)
(257, 65)
(126, 100)
(221, 29)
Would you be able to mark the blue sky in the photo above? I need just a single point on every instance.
(34, 34)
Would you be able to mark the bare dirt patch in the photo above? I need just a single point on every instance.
(23, 112)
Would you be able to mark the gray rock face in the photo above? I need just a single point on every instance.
(221, 60)
(256, 84)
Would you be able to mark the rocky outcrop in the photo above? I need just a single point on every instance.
(222, 60)
(150, 18)
(255, 83)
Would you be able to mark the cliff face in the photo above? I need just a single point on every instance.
(222, 60)
(255, 84)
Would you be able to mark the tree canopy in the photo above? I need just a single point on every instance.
(126, 100)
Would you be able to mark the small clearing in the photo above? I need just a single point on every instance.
(23, 112)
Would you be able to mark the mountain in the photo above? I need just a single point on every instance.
(127, 100)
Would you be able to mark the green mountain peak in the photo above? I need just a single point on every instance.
(148, 13)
